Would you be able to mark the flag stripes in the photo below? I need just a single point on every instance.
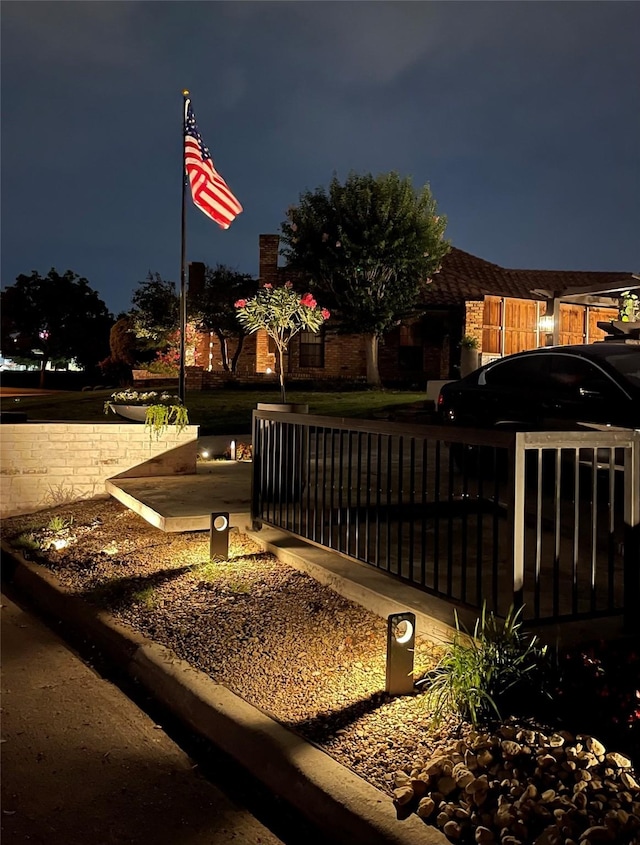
(209, 191)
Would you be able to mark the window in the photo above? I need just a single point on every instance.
(311, 349)
(525, 373)
(569, 376)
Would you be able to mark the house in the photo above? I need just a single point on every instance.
(505, 310)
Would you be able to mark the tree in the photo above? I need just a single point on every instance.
(213, 309)
(629, 309)
(54, 318)
(282, 313)
(156, 313)
(156, 310)
(368, 246)
(123, 353)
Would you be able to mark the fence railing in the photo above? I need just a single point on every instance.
(549, 521)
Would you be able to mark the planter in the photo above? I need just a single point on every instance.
(285, 407)
(468, 361)
(136, 413)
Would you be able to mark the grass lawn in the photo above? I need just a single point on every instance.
(220, 411)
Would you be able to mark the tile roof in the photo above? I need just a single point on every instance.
(465, 277)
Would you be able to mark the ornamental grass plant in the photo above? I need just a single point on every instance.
(499, 670)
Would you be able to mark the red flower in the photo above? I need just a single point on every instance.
(308, 301)
(240, 303)
(326, 313)
(267, 285)
(288, 285)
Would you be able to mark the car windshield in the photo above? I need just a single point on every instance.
(627, 363)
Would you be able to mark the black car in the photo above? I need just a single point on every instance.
(556, 387)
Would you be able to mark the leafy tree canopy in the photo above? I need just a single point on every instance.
(54, 318)
(156, 310)
(368, 245)
(212, 308)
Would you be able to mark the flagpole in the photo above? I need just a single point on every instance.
(183, 256)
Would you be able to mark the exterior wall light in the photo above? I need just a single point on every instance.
(219, 536)
(204, 454)
(401, 638)
(232, 450)
(546, 324)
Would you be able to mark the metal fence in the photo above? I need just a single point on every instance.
(548, 521)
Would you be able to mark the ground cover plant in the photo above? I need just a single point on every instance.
(316, 662)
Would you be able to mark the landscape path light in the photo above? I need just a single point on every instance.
(219, 536)
(401, 639)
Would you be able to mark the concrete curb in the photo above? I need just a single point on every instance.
(348, 809)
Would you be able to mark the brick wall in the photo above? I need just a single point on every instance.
(268, 261)
(44, 464)
(474, 321)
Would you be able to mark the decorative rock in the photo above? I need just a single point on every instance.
(426, 806)
(619, 760)
(419, 786)
(597, 833)
(439, 766)
(401, 779)
(452, 830)
(462, 775)
(477, 785)
(528, 788)
(485, 758)
(402, 795)
(442, 819)
(446, 785)
(595, 747)
(510, 748)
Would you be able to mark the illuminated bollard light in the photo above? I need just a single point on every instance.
(401, 638)
(219, 536)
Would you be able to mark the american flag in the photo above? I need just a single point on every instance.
(209, 190)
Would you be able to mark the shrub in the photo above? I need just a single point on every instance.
(499, 671)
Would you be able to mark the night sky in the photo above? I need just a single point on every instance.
(524, 117)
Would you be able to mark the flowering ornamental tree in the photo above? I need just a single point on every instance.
(282, 313)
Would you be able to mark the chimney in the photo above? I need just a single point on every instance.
(268, 261)
(196, 277)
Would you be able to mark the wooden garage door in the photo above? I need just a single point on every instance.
(594, 315)
(492, 325)
(571, 324)
(520, 325)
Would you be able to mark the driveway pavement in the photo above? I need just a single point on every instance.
(83, 765)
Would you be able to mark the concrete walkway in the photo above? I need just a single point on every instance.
(82, 765)
(185, 502)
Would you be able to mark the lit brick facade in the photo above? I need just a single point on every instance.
(500, 308)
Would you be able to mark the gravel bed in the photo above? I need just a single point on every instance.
(296, 649)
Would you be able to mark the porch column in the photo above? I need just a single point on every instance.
(551, 328)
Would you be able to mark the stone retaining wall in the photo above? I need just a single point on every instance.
(45, 464)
